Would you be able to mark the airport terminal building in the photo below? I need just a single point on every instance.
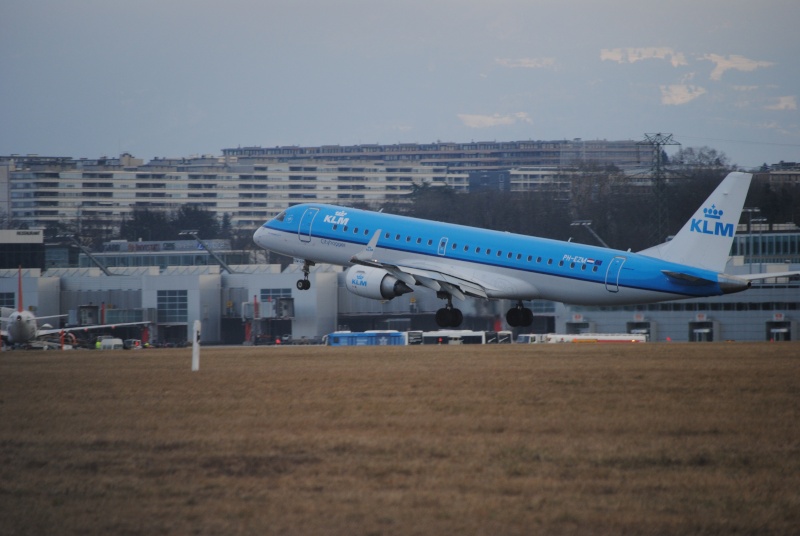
(261, 303)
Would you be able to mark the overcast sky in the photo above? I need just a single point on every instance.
(88, 78)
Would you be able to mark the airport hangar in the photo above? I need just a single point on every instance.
(260, 302)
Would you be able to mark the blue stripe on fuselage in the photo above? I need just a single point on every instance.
(423, 237)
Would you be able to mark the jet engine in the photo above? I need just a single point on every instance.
(374, 283)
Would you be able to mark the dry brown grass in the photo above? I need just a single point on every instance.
(541, 439)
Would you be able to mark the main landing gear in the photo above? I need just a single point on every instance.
(305, 284)
(448, 316)
(519, 316)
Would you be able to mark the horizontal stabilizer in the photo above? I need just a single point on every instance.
(767, 275)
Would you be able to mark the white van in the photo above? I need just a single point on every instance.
(111, 344)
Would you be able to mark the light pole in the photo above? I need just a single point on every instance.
(587, 224)
(85, 251)
(193, 234)
(750, 211)
(760, 243)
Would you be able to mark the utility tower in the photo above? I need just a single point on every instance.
(659, 216)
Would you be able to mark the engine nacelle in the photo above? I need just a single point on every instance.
(374, 283)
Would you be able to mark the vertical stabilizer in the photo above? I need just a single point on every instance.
(20, 307)
(705, 240)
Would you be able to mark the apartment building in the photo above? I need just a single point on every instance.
(470, 157)
(80, 193)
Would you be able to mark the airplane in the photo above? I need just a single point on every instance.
(388, 255)
(23, 326)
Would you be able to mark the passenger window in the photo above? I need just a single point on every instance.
(386, 235)
(477, 250)
(430, 241)
(419, 240)
(549, 261)
(538, 259)
(466, 248)
(397, 237)
(335, 226)
(344, 228)
(355, 231)
(561, 263)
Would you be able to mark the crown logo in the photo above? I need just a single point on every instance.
(712, 212)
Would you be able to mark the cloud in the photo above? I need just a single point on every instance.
(677, 94)
(632, 55)
(739, 63)
(784, 103)
(526, 63)
(487, 121)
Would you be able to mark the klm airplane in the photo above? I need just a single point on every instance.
(388, 256)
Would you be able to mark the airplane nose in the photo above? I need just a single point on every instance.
(258, 236)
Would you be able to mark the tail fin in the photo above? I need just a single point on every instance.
(20, 307)
(705, 240)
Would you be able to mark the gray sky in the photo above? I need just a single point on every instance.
(88, 78)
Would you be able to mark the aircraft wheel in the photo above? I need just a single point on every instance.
(444, 317)
(303, 284)
(527, 317)
(456, 317)
(514, 317)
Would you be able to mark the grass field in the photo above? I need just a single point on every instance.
(522, 439)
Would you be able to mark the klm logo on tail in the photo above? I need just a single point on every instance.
(710, 223)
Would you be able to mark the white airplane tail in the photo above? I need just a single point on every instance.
(705, 240)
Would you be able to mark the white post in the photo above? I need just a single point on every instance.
(196, 346)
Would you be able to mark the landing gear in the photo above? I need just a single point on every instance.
(305, 284)
(448, 316)
(519, 316)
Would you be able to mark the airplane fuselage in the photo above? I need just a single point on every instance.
(22, 327)
(506, 265)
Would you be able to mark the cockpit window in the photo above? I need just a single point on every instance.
(280, 216)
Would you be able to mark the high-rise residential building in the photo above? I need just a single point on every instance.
(88, 194)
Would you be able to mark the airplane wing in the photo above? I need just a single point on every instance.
(457, 285)
(43, 332)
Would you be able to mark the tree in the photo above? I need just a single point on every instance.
(701, 157)
(148, 225)
(198, 219)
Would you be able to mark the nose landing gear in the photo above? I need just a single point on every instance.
(305, 284)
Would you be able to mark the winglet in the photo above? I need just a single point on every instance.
(366, 255)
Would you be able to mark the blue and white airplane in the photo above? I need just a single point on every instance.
(389, 255)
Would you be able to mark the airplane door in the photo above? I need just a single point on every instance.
(304, 229)
(443, 246)
(612, 274)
